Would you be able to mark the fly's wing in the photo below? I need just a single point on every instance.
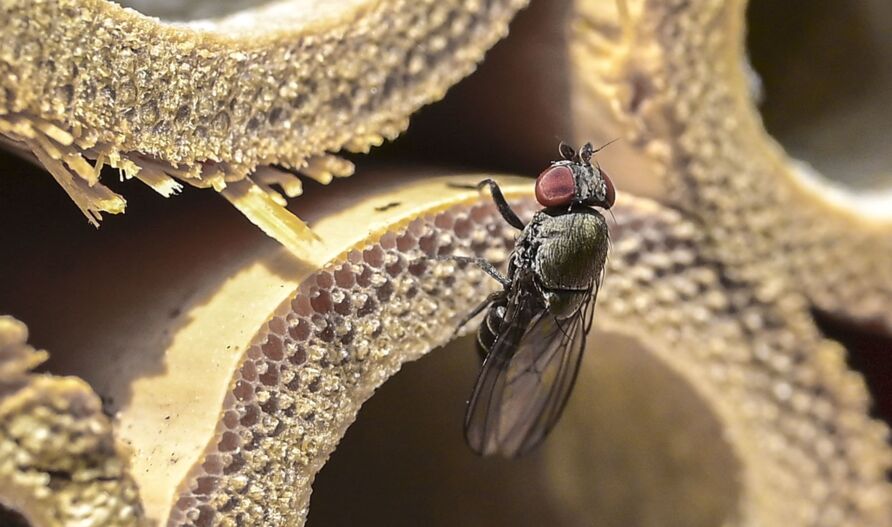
(482, 418)
(527, 376)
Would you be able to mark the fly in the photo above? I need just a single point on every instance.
(533, 336)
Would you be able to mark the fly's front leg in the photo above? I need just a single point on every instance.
(503, 206)
(482, 263)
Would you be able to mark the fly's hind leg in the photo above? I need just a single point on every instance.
(482, 351)
(477, 310)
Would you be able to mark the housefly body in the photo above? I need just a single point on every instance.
(533, 336)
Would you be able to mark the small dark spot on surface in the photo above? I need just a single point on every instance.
(175, 312)
(418, 267)
(326, 334)
(275, 115)
(300, 331)
(234, 465)
(299, 357)
(229, 505)
(374, 256)
(395, 269)
(364, 279)
(252, 414)
(341, 103)
(205, 516)
(58, 479)
(343, 308)
(385, 291)
(368, 308)
(166, 417)
(242, 390)
(182, 113)
(273, 348)
(428, 244)
(391, 205)
(321, 302)
(228, 442)
(280, 427)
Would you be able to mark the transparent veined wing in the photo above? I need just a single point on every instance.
(528, 374)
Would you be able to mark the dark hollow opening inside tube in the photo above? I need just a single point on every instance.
(826, 77)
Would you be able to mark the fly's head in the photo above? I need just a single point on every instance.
(574, 180)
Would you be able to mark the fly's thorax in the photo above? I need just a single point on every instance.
(570, 248)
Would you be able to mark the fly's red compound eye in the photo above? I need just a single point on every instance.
(555, 186)
(610, 193)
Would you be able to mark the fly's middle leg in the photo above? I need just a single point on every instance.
(483, 264)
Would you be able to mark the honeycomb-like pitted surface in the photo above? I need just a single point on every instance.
(347, 330)
(791, 411)
(680, 91)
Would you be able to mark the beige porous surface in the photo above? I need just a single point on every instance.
(59, 461)
(88, 83)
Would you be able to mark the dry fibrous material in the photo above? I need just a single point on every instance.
(84, 84)
(716, 282)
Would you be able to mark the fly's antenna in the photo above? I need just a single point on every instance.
(605, 145)
(566, 151)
